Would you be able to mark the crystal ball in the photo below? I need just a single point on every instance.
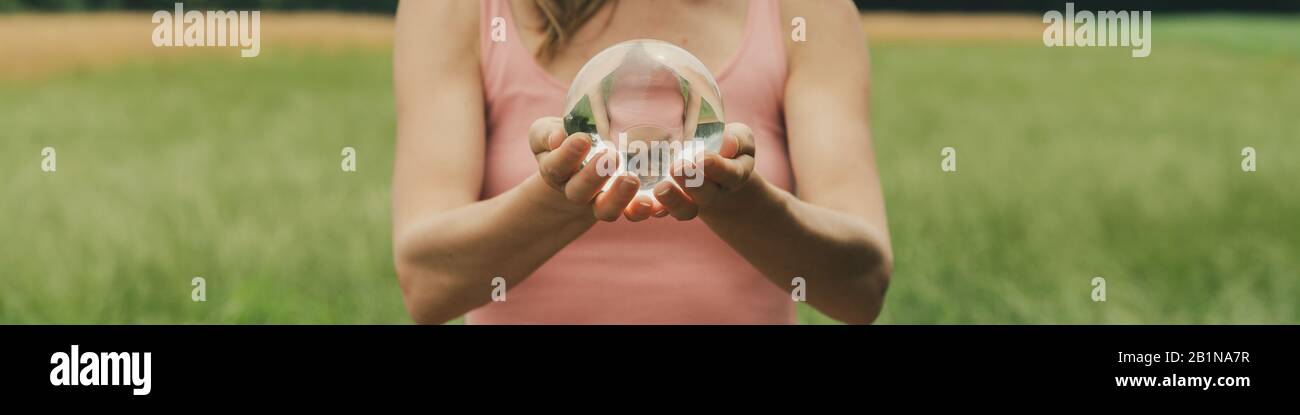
(650, 101)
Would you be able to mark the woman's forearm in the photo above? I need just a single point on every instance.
(446, 261)
(842, 258)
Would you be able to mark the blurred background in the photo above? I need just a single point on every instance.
(1074, 163)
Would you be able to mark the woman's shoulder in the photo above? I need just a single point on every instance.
(819, 24)
(448, 22)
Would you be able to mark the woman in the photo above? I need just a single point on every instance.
(489, 194)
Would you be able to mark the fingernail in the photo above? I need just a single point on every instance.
(663, 191)
(628, 183)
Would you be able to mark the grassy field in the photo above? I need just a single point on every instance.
(1073, 163)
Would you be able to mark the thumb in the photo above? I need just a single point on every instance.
(730, 146)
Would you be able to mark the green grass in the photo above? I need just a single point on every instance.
(222, 168)
(1073, 163)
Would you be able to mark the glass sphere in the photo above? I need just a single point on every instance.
(649, 100)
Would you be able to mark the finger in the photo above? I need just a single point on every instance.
(675, 202)
(640, 209)
(584, 186)
(659, 209)
(562, 163)
(691, 178)
(738, 140)
(729, 174)
(545, 134)
(610, 204)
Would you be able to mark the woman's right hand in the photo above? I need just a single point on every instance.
(560, 165)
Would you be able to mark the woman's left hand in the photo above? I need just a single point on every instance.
(724, 172)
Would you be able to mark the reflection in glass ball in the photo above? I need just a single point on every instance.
(649, 100)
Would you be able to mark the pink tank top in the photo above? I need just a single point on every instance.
(659, 270)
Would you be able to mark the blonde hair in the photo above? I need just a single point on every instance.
(563, 18)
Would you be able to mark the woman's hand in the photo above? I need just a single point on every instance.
(559, 163)
(724, 172)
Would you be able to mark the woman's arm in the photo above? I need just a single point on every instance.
(834, 233)
(448, 245)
